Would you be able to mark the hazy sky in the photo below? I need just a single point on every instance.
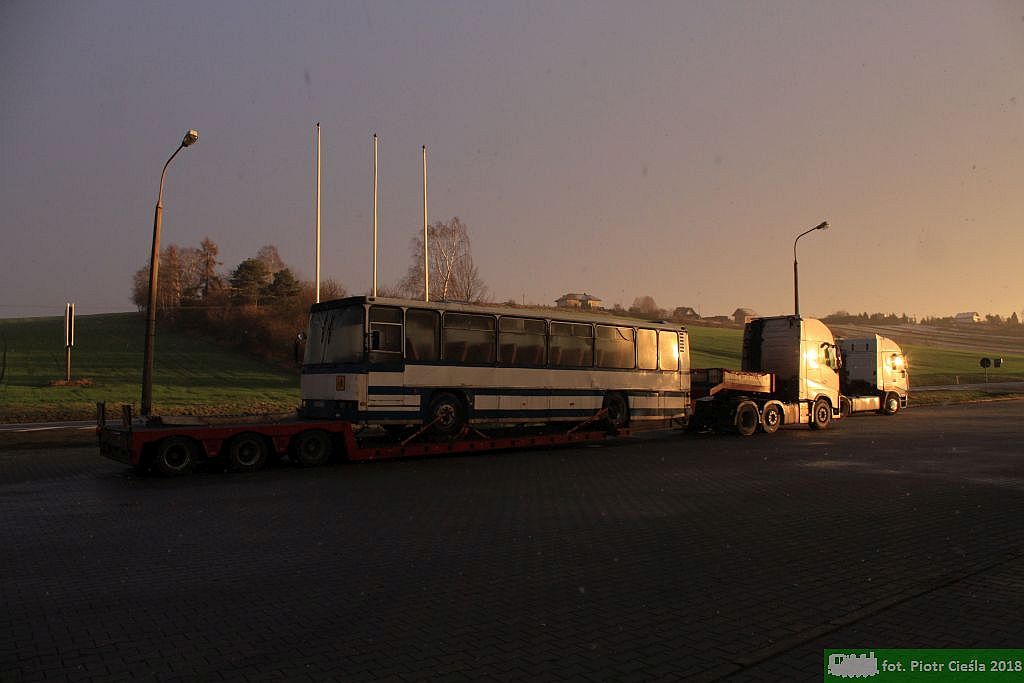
(620, 148)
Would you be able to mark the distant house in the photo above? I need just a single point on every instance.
(685, 313)
(968, 317)
(574, 300)
(742, 316)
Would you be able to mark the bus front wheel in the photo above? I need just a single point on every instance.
(446, 415)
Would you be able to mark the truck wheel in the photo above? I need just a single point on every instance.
(845, 407)
(175, 456)
(312, 448)
(821, 414)
(890, 404)
(771, 418)
(747, 418)
(617, 416)
(448, 415)
(247, 452)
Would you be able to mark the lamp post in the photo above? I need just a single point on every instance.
(154, 264)
(796, 274)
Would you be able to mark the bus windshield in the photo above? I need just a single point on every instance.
(335, 336)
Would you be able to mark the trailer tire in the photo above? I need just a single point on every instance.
(821, 414)
(247, 452)
(890, 404)
(617, 407)
(771, 418)
(312, 448)
(447, 413)
(175, 456)
(747, 418)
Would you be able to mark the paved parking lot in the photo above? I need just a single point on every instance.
(658, 557)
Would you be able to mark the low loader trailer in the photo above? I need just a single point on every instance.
(174, 446)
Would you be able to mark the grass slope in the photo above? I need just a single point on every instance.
(191, 375)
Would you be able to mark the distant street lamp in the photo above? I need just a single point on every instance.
(154, 264)
(796, 275)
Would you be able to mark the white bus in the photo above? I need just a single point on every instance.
(383, 361)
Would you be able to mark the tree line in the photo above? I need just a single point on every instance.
(260, 305)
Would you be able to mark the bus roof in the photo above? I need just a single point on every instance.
(500, 309)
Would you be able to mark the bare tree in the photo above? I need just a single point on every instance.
(453, 275)
(646, 307)
(271, 259)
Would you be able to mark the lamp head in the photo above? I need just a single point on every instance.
(820, 226)
(191, 137)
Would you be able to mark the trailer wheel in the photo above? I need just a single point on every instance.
(617, 406)
(175, 456)
(312, 448)
(247, 452)
(747, 418)
(448, 415)
(771, 418)
(890, 404)
(821, 414)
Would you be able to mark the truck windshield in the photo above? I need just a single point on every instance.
(335, 336)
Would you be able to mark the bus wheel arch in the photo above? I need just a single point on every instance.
(616, 407)
(447, 413)
(175, 456)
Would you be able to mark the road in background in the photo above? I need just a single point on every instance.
(662, 556)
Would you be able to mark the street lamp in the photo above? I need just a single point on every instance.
(154, 264)
(796, 275)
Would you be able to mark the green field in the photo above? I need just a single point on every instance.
(713, 347)
(191, 376)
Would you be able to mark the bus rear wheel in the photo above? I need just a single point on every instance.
(616, 411)
(446, 415)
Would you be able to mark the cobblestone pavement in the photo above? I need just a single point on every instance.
(662, 557)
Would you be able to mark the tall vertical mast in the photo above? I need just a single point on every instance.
(317, 256)
(426, 260)
(374, 290)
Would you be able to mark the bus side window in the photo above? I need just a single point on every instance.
(385, 329)
(572, 345)
(422, 330)
(521, 341)
(615, 347)
(469, 338)
(647, 349)
(668, 350)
